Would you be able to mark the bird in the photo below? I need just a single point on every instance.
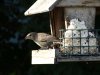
(44, 40)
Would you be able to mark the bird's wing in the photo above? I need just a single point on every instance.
(43, 37)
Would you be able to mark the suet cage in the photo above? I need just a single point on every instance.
(79, 42)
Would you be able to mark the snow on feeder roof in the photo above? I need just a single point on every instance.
(41, 6)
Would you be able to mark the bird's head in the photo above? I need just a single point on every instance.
(31, 36)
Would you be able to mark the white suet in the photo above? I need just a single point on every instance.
(77, 30)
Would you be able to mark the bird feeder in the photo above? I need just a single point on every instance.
(62, 12)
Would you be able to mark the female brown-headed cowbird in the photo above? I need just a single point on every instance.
(43, 40)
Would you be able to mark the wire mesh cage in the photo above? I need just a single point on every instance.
(79, 42)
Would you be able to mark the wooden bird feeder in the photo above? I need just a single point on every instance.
(60, 11)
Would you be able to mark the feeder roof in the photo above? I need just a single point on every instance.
(41, 6)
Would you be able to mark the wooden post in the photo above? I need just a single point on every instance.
(57, 20)
(43, 56)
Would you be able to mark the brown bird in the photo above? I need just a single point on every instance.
(43, 40)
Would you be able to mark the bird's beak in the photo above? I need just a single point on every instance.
(26, 38)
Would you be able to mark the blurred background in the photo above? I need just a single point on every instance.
(15, 51)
